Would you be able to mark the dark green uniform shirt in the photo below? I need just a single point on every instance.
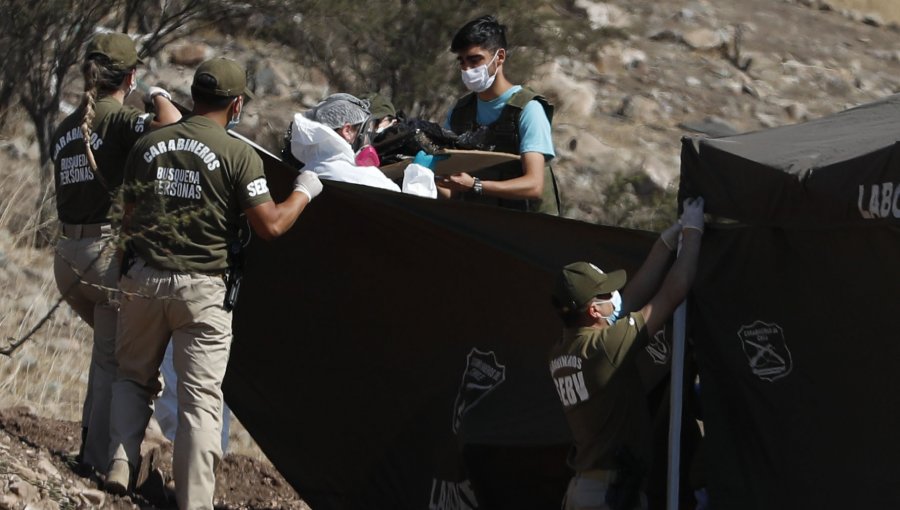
(80, 196)
(601, 392)
(190, 183)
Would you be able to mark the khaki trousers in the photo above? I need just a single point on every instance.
(86, 272)
(156, 305)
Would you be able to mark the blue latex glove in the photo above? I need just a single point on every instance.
(428, 160)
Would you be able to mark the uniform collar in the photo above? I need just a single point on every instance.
(202, 121)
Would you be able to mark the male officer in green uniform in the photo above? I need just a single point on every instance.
(517, 120)
(185, 188)
(593, 365)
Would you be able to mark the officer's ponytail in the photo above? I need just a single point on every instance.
(99, 79)
(91, 71)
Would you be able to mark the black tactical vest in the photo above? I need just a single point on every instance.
(503, 134)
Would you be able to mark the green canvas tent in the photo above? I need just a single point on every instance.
(794, 311)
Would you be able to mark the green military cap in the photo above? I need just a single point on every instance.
(579, 282)
(118, 48)
(381, 107)
(223, 77)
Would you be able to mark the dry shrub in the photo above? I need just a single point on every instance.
(622, 198)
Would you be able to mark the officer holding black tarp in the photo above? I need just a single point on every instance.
(593, 365)
(185, 188)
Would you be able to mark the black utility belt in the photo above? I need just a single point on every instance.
(130, 258)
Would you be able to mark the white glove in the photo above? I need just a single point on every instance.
(308, 183)
(692, 217)
(156, 91)
(419, 180)
(669, 236)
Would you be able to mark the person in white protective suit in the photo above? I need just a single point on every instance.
(329, 139)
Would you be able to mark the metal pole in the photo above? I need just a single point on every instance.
(676, 399)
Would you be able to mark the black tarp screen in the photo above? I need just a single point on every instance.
(353, 333)
(794, 312)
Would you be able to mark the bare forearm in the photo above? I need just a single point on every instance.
(680, 278)
(530, 186)
(166, 112)
(289, 211)
(520, 188)
(270, 220)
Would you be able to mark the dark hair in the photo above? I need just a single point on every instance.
(484, 31)
(572, 318)
(569, 318)
(211, 100)
(206, 98)
(100, 78)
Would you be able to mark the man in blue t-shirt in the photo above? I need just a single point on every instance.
(514, 458)
(517, 121)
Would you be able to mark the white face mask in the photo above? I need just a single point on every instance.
(617, 307)
(477, 79)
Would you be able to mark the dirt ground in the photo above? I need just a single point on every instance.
(38, 451)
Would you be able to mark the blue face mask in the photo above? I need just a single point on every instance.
(234, 121)
(617, 308)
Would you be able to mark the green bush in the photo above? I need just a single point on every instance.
(400, 48)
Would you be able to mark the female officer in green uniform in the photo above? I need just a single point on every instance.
(89, 151)
(593, 365)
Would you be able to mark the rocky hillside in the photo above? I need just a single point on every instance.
(670, 68)
(666, 69)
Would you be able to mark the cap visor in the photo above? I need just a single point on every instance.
(615, 280)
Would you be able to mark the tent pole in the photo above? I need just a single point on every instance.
(676, 399)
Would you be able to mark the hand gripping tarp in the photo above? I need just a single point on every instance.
(794, 311)
(384, 330)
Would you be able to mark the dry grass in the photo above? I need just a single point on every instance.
(49, 372)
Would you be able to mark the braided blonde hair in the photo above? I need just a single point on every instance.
(100, 78)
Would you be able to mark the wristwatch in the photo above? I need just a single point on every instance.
(477, 188)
